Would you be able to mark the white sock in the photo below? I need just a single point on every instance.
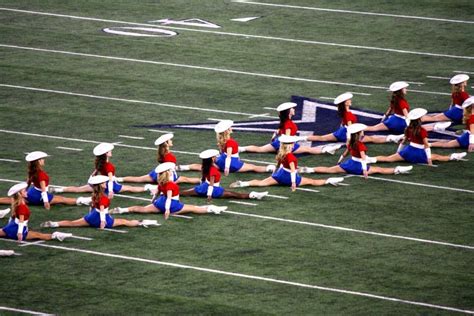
(244, 184)
(119, 179)
(271, 168)
(123, 210)
(58, 190)
(83, 200)
(54, 224)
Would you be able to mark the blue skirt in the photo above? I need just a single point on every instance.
(454, 114)
(351, 166)
(154, 176)
(235, 163)
(283, 177)
(34, 197)
(413, 155)
(117, 188)
(159, 203)
(463, 140)
(395, 124)
(276, 145)
(11, 230)
(201, 190)
(93, 219)
(341, 134)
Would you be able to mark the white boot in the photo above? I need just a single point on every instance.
(49, 224)
(216, 209)
(183, 168)
(394, 138)
(457, 156)
(334, 181)
(83, 200)
(4, 212)
(257, 195)
(402, 169)
(150, 187)
(61, 236)
(148, 222)
(239, 184)
(330, 149)
(119, 210)
(242, 149)
(6, 253)
(271, 168)
(306, 170)
(441, 126)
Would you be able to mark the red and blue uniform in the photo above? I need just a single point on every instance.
(107, 168)
(218, 191)
(11, 229)
(160, 202)
(396, 122)
(288, 124)
(341, 133)
(455, 112)
(34, 191)
(354, 164)
(283, 174)
(235, 163)
(463, 140)
(93, 218)
(415, 151)
(168, 157)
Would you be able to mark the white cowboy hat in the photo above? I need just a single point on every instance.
(103, 148)
(222, 126)
(356, 128)
(469, 101)
(416, 114)
(17, 188)
(287, 139)
(98, 179)
(343, 98)
(35, 155)
(163, 138)
(209, 153)
(165, 166)
(286, 106)
(398, 86)
(458, 79)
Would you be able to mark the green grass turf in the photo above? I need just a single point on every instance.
(64, 282)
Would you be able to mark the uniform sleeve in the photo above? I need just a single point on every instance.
(350, 118)
(423, 133)
(292, 158)
(104, 201)
(361, 146)
(232, 144)
(23, 210)
(109, 168)
(404, 104)
(43, 176)
(463, 95)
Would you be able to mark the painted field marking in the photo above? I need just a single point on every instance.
(463, 72)
(181, 216)
(254, 277)
(307, 190)
(126, 100)
(415, 82)
(243, 203)
(29, 243)
(131, 137)
(326, 98)
(160, 131)
(278, 196)
(329, 226)
(81, 238)
(273, 38)
(361, 93)
(10, 160)
(69, 148)
(254, 74)
(353, 12)
(115, 230)
(24, 311)
(436, 77)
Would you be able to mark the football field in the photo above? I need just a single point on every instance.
(74, 74)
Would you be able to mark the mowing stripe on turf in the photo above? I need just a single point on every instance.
(353, 12)
(246, 36)
(254, 74)
(254, 277)
(318, 225)
(24, 311)
(131, 101)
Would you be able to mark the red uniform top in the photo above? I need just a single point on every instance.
(42, 176)
(170, 185)
(470, 122)
(103, 201)
(107, 168)
(169, 157)
(355, 150)
(288, 124)
(288, 159)
(460, 97)
(416, 139)
(349, 117)
(400, 105)
(214, 172)
(23, 210)
(231, 143)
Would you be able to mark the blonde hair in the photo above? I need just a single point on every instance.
(97, 192)
(164, 178)
(466, 114)
(284, 150)
(16, 201)
(163, 149)
(222, 138)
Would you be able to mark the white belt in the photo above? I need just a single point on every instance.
(356, 159)
(232, 155)
(39, 189)
(176, 197)
(106, 210)
(400, 116)
(286, 169)
(216, 184)
(17, 221)
(419, 146)
(457, 106)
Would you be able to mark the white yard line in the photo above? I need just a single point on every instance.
(69, 148)
(81, 238)
(246, 36)
(29, 243)
(353, 12)
(126, 100)
(307, 190)
(24, 311)
(415, 82)
(278, 196)
(243, 203)
(324, 225)
(361, 93)
(131, 137)
(254, 74)
(181, 216)
(160, 131)
(115, 230)
(437, 77)
(254, 277)
(326, 98)
(463, 72)
(10, 160)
